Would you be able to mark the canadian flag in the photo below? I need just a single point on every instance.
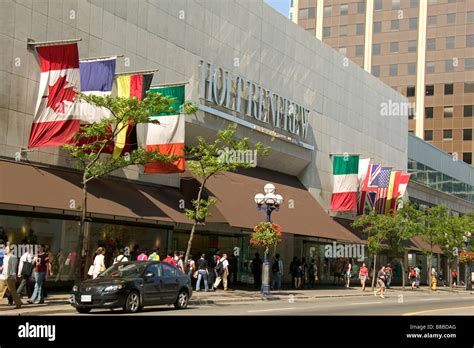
(55, 123)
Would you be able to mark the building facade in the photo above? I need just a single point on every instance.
(422, 49)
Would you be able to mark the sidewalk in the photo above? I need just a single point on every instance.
(59, 303)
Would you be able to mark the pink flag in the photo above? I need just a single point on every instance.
(54, 123)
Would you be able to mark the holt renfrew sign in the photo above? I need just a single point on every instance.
(225, 89)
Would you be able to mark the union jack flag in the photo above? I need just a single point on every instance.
(382, 189)
(369, 188)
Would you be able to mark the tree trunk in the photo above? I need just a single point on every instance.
(82, 227)
(402, 263)
(373, 272)
(193, 229)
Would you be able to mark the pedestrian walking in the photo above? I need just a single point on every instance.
(388, 276)
(257, 271)
(363, 275)
(191, 267)
(2, 254)
(155, 255)
(222, 270)
(99, 262)
(380, 282)
(180, 261)
(203, 273)
(277, 273)
(418, 276)
(170, 259)
(454, 276)
(348, 274)
(312, 271)
(212, 269)
(25, 271)
(143, 256)
(120, 257)
(434, 279)
(412, 277)
(40, 264)
(8, 278)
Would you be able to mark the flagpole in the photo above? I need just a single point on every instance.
(31, 44)
(169, 84)
(344, 154)
(100, 58)
(138, 72)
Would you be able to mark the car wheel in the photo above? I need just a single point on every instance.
(182, 300)
(83, 310)
(132, 303)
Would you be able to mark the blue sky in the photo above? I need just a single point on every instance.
(282, 6)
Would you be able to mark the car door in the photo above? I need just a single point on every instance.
(152, 286)
(170, 282)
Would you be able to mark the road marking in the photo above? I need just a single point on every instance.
(270, 310)
(435, 310)
(359, 303)
(429, 299)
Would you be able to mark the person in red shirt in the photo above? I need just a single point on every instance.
(41, 264)
(363, 274)
(170, 259)
(454, 276)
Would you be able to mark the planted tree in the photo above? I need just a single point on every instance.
(93, 140)
(208, 159)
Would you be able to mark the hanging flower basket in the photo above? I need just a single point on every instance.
(465, 257)
(266, 235)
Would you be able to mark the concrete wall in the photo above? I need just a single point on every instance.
(173, 36)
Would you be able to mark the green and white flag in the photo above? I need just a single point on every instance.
(344, 194)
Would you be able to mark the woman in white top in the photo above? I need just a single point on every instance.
(99, 265)
(120, 257)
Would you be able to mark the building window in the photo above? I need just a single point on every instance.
(470, 17)
(344, 9)
(451, 18)
(378, 4)
(413, 3)
(430, 67)
(428, 135)
(468, 87)
(470, 40)
(361, 7)
(448, 65)
(327, 11)
(467, 157)
(393, 47)
(395, 4)
(393, 69)
(376, 49)
(411, 113)
(447, 134)
(413, 23)
(429, 90)
(376, 70)
(430, 44)
(343, 30)
(305, 13)
(469, 63)
(410, 91)
(394, 24)
(359, 50)
(377, 27)
(448, 89)
(448, 112)
(431, 21)
(360, 28)
(291, 3)
(411, 68)
(450, 42)
(326, 31)
(412, 46)
(467, 110)
(429, 112)
(467, 134)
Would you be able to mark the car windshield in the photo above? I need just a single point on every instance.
(127, 270)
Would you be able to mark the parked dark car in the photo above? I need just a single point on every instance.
(133, 285)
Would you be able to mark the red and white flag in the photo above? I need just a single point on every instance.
(54, 123)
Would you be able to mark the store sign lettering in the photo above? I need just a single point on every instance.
(247, 98)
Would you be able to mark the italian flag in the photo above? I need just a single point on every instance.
(168, 136)
(344, 194)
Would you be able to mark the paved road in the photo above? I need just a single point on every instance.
(406, 303)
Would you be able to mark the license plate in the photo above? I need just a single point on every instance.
(86, 298)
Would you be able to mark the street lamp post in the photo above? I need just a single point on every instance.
(467, 240)
(268, 202)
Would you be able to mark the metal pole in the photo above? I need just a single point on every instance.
(469, 271)
(265, 290)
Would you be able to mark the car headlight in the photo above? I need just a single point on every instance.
(74, 288)
(111, 288)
